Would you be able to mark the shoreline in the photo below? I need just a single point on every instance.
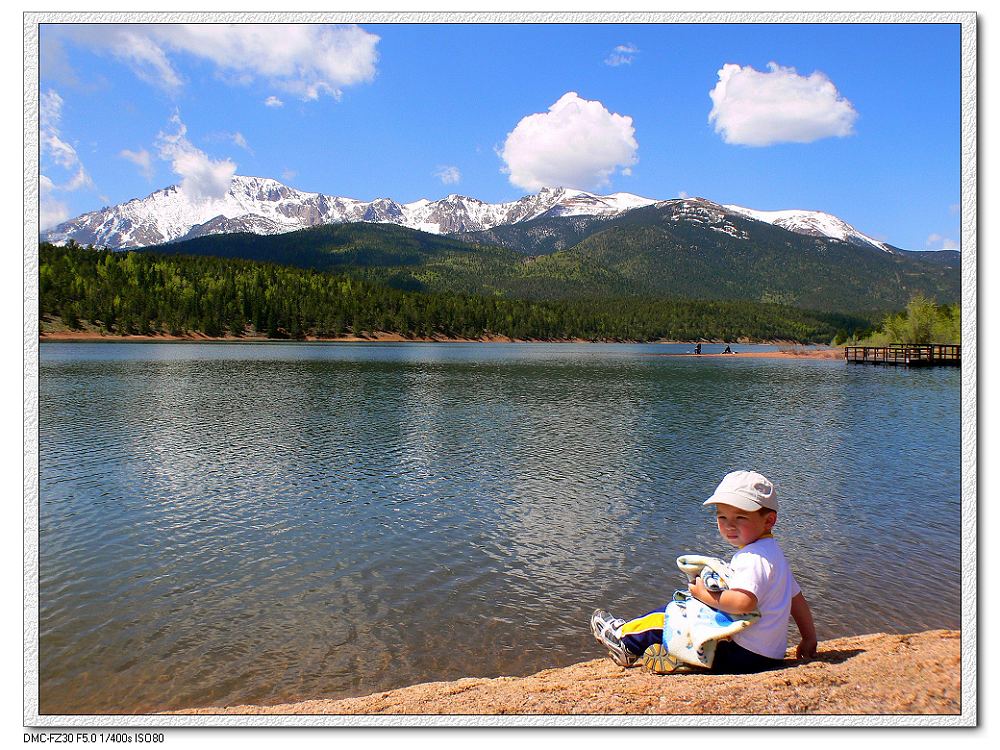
(65, 337)
(791, 350)
(791, 353)
(880, 673)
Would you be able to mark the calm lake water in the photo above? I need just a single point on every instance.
(262, 523)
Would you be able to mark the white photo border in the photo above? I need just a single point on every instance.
(969, 379)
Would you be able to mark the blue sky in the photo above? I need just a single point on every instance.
(859, 120)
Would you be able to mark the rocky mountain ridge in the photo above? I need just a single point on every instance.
(265, 206)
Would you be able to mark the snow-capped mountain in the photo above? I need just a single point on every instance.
(812, 223)
(264, 206)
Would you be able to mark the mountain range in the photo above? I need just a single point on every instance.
(264, 206)
(558, 244)
(688, 249)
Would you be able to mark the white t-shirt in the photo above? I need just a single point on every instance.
(761, 569)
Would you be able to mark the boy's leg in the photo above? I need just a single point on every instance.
(639, 634)
(626, 641)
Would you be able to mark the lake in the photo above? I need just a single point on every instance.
(261, 523)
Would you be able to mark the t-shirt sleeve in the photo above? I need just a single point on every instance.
(750, 573)
(795, 584)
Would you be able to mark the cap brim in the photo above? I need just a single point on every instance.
(731, 498)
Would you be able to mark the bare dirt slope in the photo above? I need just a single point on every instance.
(872, 674)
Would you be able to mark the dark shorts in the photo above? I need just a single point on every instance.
(732, 658)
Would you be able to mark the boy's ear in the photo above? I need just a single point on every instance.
(770, 519)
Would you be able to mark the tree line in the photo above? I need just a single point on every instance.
(150, 293)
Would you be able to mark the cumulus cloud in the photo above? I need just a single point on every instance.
(577, 143)
(941, 242)
(201, 177)
(448, 175)
(754, 108)
(273, 101)
(623, 54)
(56, 154)
(288, 175)
(683, 194)
(305, 60)
(141, 159)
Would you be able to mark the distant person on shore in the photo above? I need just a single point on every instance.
(697, 348)
(746, 509)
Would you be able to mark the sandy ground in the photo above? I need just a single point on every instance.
(872, 674)
(783, 353)
(68, 336)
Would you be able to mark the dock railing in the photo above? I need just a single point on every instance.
(912, 355)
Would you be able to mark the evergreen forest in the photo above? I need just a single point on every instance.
(153, 293)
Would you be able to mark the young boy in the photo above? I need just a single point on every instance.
(746, 509)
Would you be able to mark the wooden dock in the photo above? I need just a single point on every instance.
(908, 355)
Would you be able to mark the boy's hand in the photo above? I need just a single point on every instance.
(698, 590)
(807, 628)
(806, 648)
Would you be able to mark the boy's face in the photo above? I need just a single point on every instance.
(742, 527)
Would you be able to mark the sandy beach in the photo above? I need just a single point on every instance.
(790, 352)
(917, 673)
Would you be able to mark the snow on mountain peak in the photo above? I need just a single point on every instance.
(265, 206)
(813, 223)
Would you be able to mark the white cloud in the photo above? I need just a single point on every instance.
(50, 141)
(201, 177)
(306, 60)
(56, 154)
(577, 143)
(273, 101)
(448, 175)
(80, 179)
(222, 136)
(939, 241)
(141, 159)
(623, 54)
(683, 194)
(288, 175)
(954, 209)
(754, 108)
(50, 210)
(132, 44)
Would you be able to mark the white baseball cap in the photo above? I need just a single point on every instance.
(746, 490)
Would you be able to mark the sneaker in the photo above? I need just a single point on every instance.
(658, 660)
(605, 629)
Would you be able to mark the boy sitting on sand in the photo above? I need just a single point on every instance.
(746, 509)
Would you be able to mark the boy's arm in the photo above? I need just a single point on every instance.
(733, 601)
(807, 629)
